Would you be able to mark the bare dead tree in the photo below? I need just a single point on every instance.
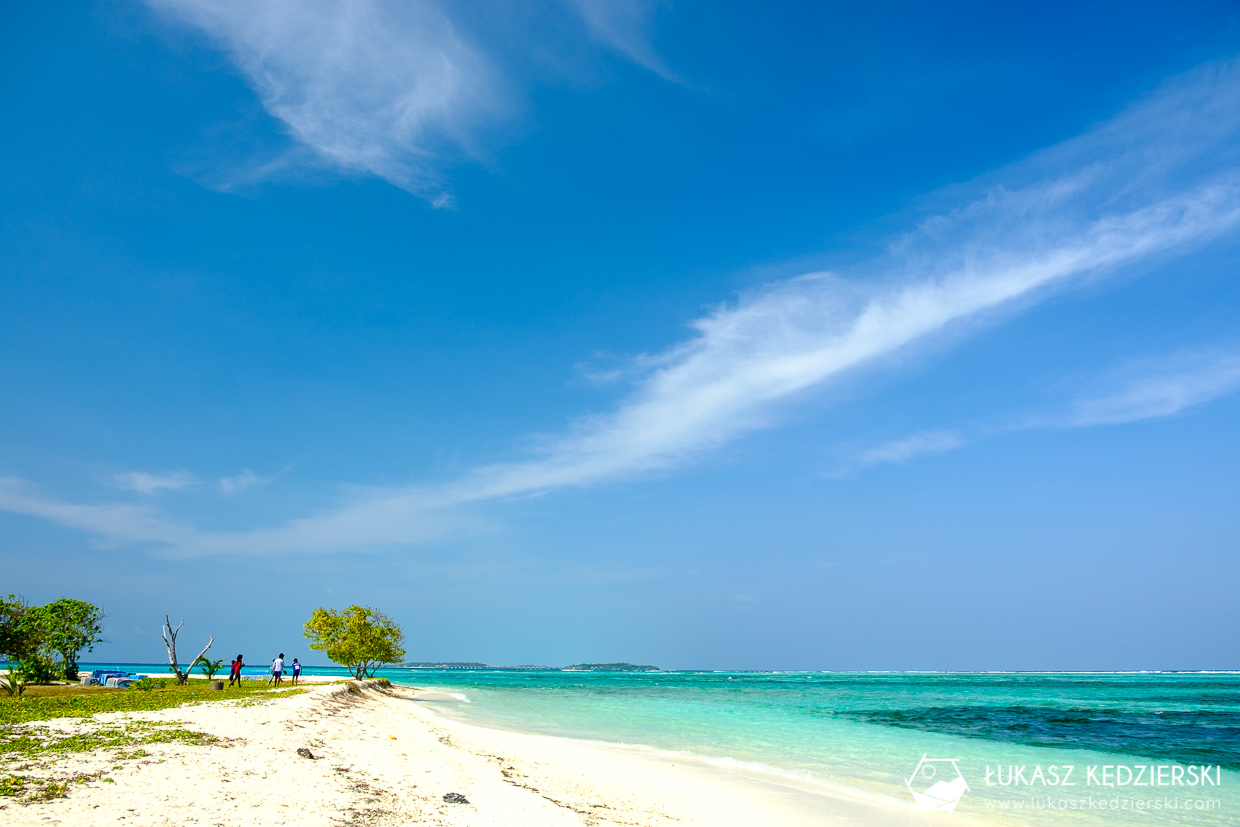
(170, 643)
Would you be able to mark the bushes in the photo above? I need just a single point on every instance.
(45, 641)
(38, 668)
(12, 685)
(146, 684)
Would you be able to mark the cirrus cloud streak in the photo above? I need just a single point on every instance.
(1157, 181)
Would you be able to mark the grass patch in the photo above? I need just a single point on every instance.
(42, 703)
(34, 691)
(30, 754)
(30, 788)
(33, 742)
(34, 757)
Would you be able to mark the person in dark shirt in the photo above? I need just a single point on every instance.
(234, 675)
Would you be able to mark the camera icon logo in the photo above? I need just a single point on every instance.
(937, 784)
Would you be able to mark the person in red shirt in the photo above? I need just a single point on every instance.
(234, 676)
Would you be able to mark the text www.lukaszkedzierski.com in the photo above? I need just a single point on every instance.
(1113, 803)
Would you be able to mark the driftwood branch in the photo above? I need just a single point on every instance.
(170, 643)
(200, 654)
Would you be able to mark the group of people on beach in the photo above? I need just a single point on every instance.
(277, 671)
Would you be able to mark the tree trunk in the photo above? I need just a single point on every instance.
(170, 643)
(200, 654)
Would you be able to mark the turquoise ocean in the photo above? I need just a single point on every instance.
(1135, 741)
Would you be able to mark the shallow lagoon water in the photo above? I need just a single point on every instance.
(861, 735)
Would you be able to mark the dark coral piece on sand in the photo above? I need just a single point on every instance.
(455, 798)
(305, 753)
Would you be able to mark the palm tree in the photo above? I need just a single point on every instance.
(209, 667)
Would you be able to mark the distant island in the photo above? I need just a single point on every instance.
(609, 667)
(576, 667)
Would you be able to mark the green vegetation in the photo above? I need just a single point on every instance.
(42, 703)
(35, 741)
(359, 637)
(46, 641)
(147, 683)
(29, 751)
(70, 627)
(28, 788)
(38, 748)
(11, 684)
(209, 667)
(13, 638)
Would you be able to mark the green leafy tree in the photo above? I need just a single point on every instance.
(15, 639)
(70, 627)
(45, 641)
(24, 639)
(13, 635)
(209, 667)
(12, 645)
(359, 637)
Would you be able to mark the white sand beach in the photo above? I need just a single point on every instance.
(385, 756)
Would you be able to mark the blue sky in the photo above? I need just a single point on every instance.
(705, 335)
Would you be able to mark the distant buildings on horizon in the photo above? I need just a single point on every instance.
(576, 667)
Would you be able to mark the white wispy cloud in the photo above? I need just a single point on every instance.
(747, 359)
(148, 484)
(1158, 180)
(1146, 389)
(398, 89)
(373, 87)
(626, 26)
(1162, 388)
(112, 522)
(902, 450)
(246, 479)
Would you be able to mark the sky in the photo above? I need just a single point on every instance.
(706, 335)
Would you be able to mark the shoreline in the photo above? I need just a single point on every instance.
(711, 791)
(385, 755)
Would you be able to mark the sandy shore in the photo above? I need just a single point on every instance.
(387, 757)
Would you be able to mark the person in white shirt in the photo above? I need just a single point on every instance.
(277, 670)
